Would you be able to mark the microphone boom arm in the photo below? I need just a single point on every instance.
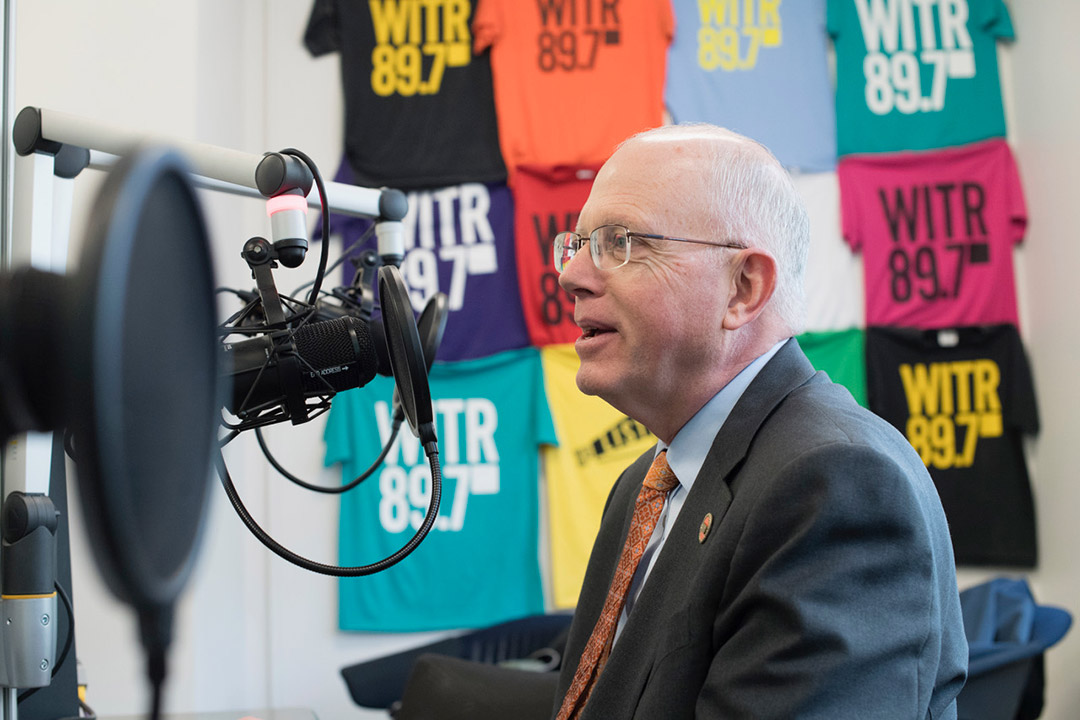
(39, 130)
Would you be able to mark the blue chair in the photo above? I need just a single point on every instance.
(1007, 634)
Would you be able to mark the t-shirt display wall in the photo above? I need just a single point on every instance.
(494, 116)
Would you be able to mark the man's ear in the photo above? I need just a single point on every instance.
(752, 283)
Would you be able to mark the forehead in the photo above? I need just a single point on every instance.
(649, 186)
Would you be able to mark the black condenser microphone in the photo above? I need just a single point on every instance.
(329, 311)
(317, 358)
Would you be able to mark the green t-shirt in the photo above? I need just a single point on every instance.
(841, 354)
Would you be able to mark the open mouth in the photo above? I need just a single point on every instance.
(590, 332)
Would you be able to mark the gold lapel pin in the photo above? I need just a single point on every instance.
(706, 525)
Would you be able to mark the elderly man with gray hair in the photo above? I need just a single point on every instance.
(781, 552)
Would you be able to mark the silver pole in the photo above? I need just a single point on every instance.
(10, 708)
(9, 705)
(7, 168)
(220, 168)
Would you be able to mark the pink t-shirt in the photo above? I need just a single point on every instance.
(936, 230)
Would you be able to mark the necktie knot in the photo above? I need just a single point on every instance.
(660, 477)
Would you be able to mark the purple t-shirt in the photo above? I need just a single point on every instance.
(459, 240)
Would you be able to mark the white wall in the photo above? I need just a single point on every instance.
(254, 631)
(1046, 112)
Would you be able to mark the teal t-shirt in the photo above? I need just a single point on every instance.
(479, 565)
(916, 75)
(841, 354)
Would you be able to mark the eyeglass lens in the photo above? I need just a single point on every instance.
(609, 246)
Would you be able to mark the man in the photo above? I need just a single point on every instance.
(801, 565)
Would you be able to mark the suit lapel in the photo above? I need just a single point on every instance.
(787, 370)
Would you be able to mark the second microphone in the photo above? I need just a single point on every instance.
(333, 356)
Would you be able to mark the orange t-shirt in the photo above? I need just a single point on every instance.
(574, 78)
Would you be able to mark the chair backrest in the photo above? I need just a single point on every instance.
(447, 688)
(1007, 634)
(379, 683)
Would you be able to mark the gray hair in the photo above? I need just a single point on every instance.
(754, 201)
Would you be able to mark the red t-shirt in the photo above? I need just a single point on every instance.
(547, 201)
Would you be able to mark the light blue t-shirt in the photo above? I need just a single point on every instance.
(479, 565)
(759, 68)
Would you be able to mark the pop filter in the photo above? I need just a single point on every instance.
(406, 354)
(124, 353)
(432, 325)
(145, 404)
(430, 328)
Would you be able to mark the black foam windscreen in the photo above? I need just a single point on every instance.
(344, 341)
(334, 355)
(31, 315)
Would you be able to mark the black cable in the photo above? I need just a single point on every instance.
(242, 313)
(243, 409)
(325, 254)
(298, 311)
(431, 449)
(341, 258)
(298, 321)
(71, 628)
(222, 289)
(340, 488)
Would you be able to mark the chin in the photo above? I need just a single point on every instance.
(588, 382)
(605, 384)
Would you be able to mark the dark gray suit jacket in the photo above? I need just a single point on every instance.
(825, 588)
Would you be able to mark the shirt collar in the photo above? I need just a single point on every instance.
(692, 443)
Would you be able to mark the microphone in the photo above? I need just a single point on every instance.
(325, 312)
(286, 366)
(274, 374)
(431, 325)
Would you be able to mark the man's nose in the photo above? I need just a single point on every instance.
(580, 276)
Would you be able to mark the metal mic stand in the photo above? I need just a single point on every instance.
(57, 146)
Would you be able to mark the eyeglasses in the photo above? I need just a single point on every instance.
(609, 246)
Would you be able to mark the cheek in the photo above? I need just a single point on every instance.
(675, 302)
(660, 328)
(698, 318)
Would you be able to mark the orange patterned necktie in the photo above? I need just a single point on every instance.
(650, 501)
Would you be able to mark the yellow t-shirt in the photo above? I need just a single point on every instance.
(596, 443)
